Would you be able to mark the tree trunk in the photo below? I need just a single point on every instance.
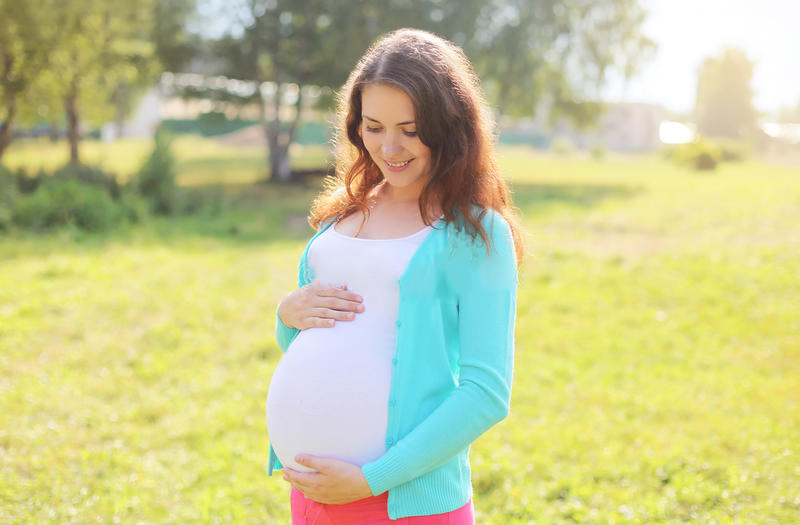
(279, 164)
(6, 127)
(11, 105)
(278, 141)
(73, 133)
(120, 106)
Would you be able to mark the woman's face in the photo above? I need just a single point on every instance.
(390, 135)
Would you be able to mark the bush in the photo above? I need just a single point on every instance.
(132, 206)
(209, 200)
(700, 155)
(562, 146)
(9, 194)
(597, 151)
(90, 175)
(66, 202)
(732, 150)
(156, 178)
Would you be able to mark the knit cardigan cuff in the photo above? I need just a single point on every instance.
(382, 474)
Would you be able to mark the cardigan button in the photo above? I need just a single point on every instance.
(398, 323)
(392, 402)
(394, 360)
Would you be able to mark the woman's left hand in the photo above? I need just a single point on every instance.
(335, 481)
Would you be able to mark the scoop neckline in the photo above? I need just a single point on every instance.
(423, 230)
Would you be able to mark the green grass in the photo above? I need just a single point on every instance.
(656, 379)
(201, 161)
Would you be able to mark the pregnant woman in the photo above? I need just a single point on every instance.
(398, 344)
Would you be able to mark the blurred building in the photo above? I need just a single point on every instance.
(192, 96)
(624, 127)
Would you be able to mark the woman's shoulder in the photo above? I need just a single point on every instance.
(494, 224)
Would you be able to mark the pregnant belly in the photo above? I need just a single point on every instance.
(328, 396)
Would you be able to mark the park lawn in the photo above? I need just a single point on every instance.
(199, 160)
(656, 378)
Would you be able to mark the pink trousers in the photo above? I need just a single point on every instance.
(368, 511)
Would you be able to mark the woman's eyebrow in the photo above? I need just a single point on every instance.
(378, 121)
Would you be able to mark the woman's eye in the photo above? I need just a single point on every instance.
(371, 129)
(410, 133)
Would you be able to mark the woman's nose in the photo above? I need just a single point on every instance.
(390, 145)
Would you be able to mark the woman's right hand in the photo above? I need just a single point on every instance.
(319, 305)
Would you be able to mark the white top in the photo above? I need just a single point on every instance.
(329, 394)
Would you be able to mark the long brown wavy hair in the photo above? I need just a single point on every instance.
(452, 120)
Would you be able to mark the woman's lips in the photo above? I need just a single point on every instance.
(402, 165)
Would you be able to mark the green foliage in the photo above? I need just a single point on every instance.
(705, 155)
(562, 146)
(90, 175)
(65, 202)
(82, 196)
(597, 151)
(8, 196)
(207, 200)
(732, 150)
(156, 178)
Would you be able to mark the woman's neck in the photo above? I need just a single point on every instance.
(400, 198)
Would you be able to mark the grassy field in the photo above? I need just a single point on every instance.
(657, 374)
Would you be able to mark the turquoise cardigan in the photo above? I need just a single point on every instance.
(453, 365)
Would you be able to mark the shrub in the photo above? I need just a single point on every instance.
(89, 175)
(732, 150)
(700, 155)
(27, 183)
(156, 178)
(209, 200)
(597, 151)
(132, 206)
(66, 202)
(8, 196)
(562, 146)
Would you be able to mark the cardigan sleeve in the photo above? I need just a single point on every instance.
(486, 289)
(283, 334)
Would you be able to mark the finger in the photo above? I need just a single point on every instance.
(336, 303)
(306, 483)
(338, 292)
(321, 465)
(327, 313)
(307, 491)
(319, 322)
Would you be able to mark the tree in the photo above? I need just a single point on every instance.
(724, 103)
(559, 49)
(522, 50)
(175, 45)
(104, 44)
(27, 35)
(288, 45)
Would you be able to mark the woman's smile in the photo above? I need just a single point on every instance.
(397, 166)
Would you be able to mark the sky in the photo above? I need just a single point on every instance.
(688, 31)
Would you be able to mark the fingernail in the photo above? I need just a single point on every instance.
(299, 459)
